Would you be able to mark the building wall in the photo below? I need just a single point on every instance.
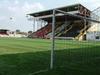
(93, 36)
(93, 32)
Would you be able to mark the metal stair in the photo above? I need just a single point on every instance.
(60, 29)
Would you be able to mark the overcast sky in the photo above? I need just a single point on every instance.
(17, 9)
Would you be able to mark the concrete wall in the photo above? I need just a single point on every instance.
(93, 33)
(93, 36)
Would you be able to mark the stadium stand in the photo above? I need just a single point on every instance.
(74, 27)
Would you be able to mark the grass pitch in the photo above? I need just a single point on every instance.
(26, 56)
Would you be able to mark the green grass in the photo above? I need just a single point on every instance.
(26, 56)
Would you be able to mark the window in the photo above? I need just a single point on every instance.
(97, 37)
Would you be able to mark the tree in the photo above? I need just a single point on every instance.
(17, 30)
(29, 32)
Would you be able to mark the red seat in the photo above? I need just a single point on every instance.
(41, 33)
